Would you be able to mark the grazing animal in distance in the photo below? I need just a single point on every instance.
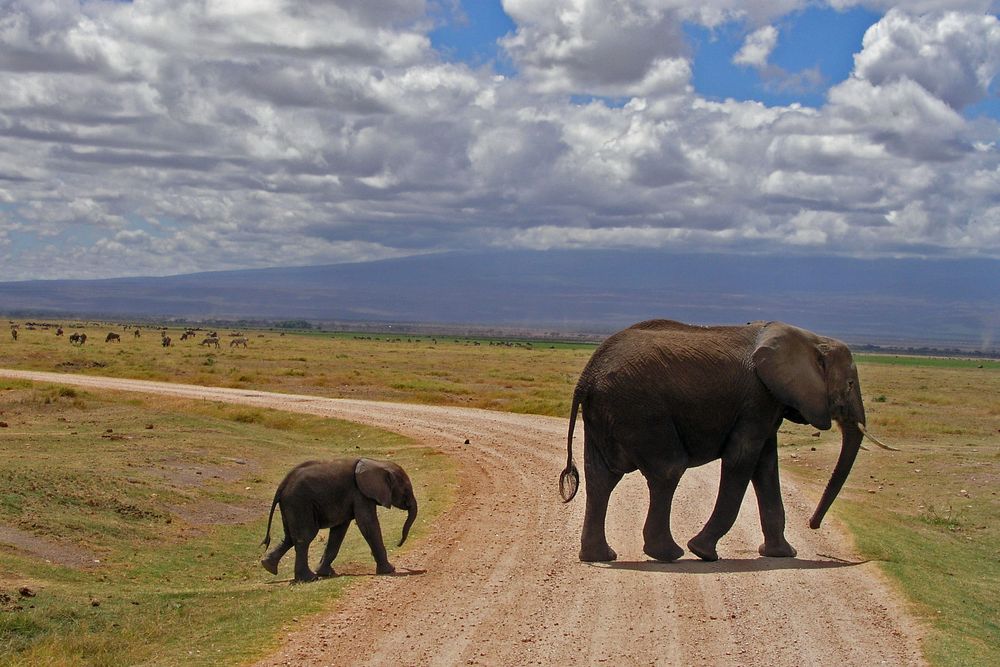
(166, 341)
(211, 341)
(238, 341)
(13, 333)
(113, 337)
(137, 333)
(59, 331)
(78, 338)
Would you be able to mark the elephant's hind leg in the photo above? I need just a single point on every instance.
(662, 465)
(659, 541)
(270, 561)
(601, 481)
(302, 571)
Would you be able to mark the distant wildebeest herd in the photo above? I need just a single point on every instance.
(79, 338)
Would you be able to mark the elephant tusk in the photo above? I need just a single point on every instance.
(861, 427)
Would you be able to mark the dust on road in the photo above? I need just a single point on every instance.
(501, 583)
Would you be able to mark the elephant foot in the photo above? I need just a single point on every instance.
(326, 571)
(269, 565)
(305, 577)
(384, 568)
(666, 553)
(703, 549)
(777, 550)
(599, 554)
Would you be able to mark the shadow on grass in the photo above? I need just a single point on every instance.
(401, 572)
(728, 565)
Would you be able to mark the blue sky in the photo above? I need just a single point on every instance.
(472, 34)
(151, 137)
(817, 39)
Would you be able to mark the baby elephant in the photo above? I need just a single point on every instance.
(329, 494)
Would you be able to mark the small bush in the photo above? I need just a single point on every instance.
(246, 417)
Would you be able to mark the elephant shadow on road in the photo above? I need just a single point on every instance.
(729, 565)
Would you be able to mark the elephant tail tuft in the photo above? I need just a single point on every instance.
(569, 480)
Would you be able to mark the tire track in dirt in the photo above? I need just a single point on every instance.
(501, 583)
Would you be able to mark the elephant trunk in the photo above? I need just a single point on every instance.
(410, 518)
(851, 443)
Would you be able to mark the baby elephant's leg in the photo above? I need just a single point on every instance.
(302, 571)
(367, 520)
(270, 561)
(333, 543)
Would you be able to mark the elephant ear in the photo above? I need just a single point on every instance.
(375, 481)
(789, 361)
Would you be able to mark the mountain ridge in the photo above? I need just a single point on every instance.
(941, 301)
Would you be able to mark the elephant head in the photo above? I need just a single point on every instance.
(816, 380)
(389, 486)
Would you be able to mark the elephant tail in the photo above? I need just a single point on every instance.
(569, 480)
(267, 537)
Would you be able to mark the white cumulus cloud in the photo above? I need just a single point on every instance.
(953, 56)
(757, 47)
(159, 137)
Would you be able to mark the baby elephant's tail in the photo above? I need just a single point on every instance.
(267, 537)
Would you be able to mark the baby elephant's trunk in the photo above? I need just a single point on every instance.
(410, 517)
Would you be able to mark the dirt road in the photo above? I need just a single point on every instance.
(502, 584)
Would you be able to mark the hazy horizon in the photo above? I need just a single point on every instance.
(904, 302)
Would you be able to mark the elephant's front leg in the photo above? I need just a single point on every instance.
(767, 486)
(737, 469)
(367, 519)
(333, 543)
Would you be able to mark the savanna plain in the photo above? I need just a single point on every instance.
(130, 524)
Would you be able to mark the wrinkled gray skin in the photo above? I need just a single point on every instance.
(661, 397)
(330, 494)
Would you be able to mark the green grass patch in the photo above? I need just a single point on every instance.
(944, 565)
(928, 362)
(135, 525)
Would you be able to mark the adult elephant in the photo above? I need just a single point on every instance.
(662, 396)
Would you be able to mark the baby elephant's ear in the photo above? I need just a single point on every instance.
(374, 481)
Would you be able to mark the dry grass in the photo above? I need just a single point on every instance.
(930, 512)
(448, 371)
